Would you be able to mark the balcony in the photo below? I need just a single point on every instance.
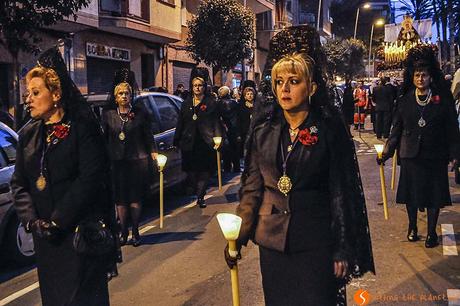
(133, 18)
(259, 6)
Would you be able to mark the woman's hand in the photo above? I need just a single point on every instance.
(231, 261)
(154, 155)
(340, 268)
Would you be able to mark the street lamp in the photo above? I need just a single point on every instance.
(230, 225)
(161, 161)
(217, 142)
(365, 6)
(319, 13)
(379, 149)
(378, 22)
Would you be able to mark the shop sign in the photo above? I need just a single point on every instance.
(112, 53)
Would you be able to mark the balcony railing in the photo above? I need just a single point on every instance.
(138, 9)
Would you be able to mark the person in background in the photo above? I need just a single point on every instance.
(384, 102)
(361, 99)
(61, 179)
(236, 95)
(426, 133)
(198, 123)
(301, 198)
(180, 91)
(131, 144)
(245, 112)
(348, 106)
(228, 109)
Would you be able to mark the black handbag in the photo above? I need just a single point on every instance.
(93, 237)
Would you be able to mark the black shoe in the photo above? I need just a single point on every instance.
(123, 238)
(201, 203)
(136, 239)
(431, 241)
(412, 235)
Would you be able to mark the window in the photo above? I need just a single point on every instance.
(169, 114)
(151, 114)
(170, 2)
(8, 145)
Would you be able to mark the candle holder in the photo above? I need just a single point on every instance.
(393, 170)
(379, 149)
(230, 225)
(161, 161)
(218, 142)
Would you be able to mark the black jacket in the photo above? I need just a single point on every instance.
(324, 207)
(384, 97)
(208, 123)
(139, 141)
(78, 187)
(439, 139)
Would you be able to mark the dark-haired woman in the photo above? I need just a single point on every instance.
(61, 178)
(301, 197)
(198, 124)
(426, 133)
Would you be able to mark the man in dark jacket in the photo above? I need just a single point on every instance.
(384, 100)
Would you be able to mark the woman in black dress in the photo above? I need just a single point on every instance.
(61, 178)
(301, 195)
(198, 124)
(131, 143)
(425, 131)
(245, 115)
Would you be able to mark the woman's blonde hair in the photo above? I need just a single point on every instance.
(300, 64)
(48, 75)
(122, 85)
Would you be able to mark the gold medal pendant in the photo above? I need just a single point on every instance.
(194, 117)
(122, 136)
(284, 184)
(41, 183)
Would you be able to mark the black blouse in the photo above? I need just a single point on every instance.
(138, 140)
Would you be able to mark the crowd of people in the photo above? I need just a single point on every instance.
(301, 198)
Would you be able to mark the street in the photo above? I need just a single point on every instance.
(183, 264)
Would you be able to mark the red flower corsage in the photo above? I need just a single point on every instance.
(308, 137)
(131, 115)
(203, 107)
(59, 131)
(436, 99)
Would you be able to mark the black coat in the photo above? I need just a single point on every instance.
(384, 97)
(324, 208)
(439, 139)
(139, 141)
(77, 174)
(207, 124)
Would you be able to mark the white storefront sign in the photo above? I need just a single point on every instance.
(107, 52)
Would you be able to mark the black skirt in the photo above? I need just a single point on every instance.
(130, 180)
(299, 279)
(202, 158)
(424, 183)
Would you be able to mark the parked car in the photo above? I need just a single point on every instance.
(164, 113)
(15, 244)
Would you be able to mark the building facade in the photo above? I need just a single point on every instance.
(107, 35)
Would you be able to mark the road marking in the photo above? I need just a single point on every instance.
(18, 294)
(453, 295)
(449, 246)
(194, 202)
(146, 229)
